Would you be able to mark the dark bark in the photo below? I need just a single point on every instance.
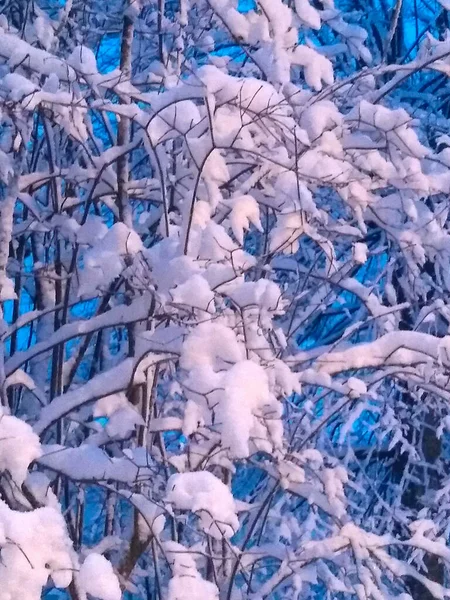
(425, 479)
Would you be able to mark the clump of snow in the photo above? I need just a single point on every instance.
(317, 68)
(120, 239)
(18, 86)
(214, 244)
(195, 292)
(92, 231)
(360, 251)
(83, 60)
(333, 482)
(6, 288)
(320, 117)
(356, 387)
(307, 14)
(44, 31)
(98, 579)
(40, 486)
(211, 344)
(6, 167)
(173, 120)
(264, 294)
(203, 493)
(34, 547)
(246, 399)
(245, 210)
(290, 473)
(284, 237)
(105, 260)
(19, 447)
(122, 415)
(235, 394)
(186, 582)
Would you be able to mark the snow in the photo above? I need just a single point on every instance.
(19, 447)
(104, 261)
(284, 236)
(91, 231)
(320, 117)
(7, 291)
(203, 493)
(34, 546)
(244, 148)
(103, 384)
(246, 399)
(6, 167)
(122, 415)
(307, 14)
(18, 86)
(317, 68)
(88, 463)
(138, 310)
(245, 406)
(151, 516)
(360, 251)
(97, 578)
(83, 60)
(356, 387)
(173, 120)
(212, 345)
(40, 486)
(395, 348)
(264, 294)
(194, 292)
(18, 52)
(44, 31)
(236, 21)
(186, 582)
(245, 210)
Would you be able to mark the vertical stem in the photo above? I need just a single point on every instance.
(393, 28)
(7, 205)
(161, 7)
(124, 127)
